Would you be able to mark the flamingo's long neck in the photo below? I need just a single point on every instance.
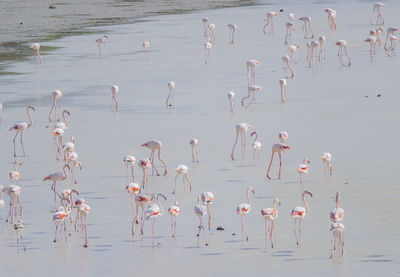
(248, 196)
(305, 203)
(234, 145)
(65, 120)
(159, 204)
(52, 108)
(337, 200)
(198, 200)
(15, 166)
(274, 204)
(30, 117)
(256, 138)
(65, 172)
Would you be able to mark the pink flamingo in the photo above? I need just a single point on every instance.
(145, 164)
(282, 83)
(36, 51)
(343, 45)
(289, 31)
(201, 211)
(182, 169)
(130, 161)
(195, 154)
(78, 202)
(68, 195)
(100, 41)
(252, 89)
(390, 31)
(283, 136)
(58, 141)
(57, 94)
(291, 50)
(212, 32)
(153, 211)
(243, 209)
(270, 17)
(286, 64)
(331, 18)
(133, 189)
(302, 169)
(59, 218)
(251, 75)
(207, 47)
(391, 50)
(379, 17)
(337, 241)
(56, 177)
(322, 48)
(154, 145)
(71, 159)
(336, 215)
(205, 22)
(299, 213)
(1, 203)
(84, 210)
(15, 175)
(270, 214)
(207, 198)
(114, 92)
(231, 96)
(14, 192)
(378, 36)
(256, 145)
(146, 45)
(174, 211)
(306, 22)
(277, 148)
(19, 127)
(326, 159)
(314, 44)
(372, 45)
(141, 200)
(171, 86)
(232, 29)
(242, 129)
(63, 125)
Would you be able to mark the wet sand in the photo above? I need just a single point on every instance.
(326, 111)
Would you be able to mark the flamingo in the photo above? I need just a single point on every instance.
(378, 36)
(57, 94)
(379, 17)
(270, 214)
(251, 90)
(277, 148)
(337, 239)
(63, 125)
(270, 17)
(171, 86)
(145, 164)
(72, 160)
(56, 177)
(68, 195)
(205, 22)
(336, 215)
(59, 219)
(314, 44)
(390, 31)
(242, 129)
(36, 51)
(306, 21)
(195, 154)
(302, 169)
(256, 145)
(130, 161)
(154, 145)
(283, 136)
(207, 198)
(15, 175)
(243, 209)
(231, 96)
(289, 31)
(299, 213)
(174, 211)
(1, 203)
(232, 29)
(69, 146)
(286, 63)
(390, 50)
(133, 189)
(141, 200)
(201, 211)
(78, 202)
(291, 50)
(326, 159)
(153, 211)
(182, 169)
(58, 136)
(146, 45)
(343, 45)
(114, 91)
(100, 41)
(212, 32)
(282, 83)
(331, 18)
(207, 47)
(322, 48)
(14, 192)
(84, 210)
(372, 45)
(19, 127)
(251, 75)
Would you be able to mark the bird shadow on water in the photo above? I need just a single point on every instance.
(283, 254)
(376, 260)
(213, 254)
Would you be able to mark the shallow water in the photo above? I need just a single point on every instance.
(326, 110)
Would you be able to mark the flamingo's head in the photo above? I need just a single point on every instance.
(253, 133)
(67, 112)
(176, 203)
(31, 107)
(306, 161)
(278, 201)
(307, 192)
(286, 147)
(251, 189)
(145, 144)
